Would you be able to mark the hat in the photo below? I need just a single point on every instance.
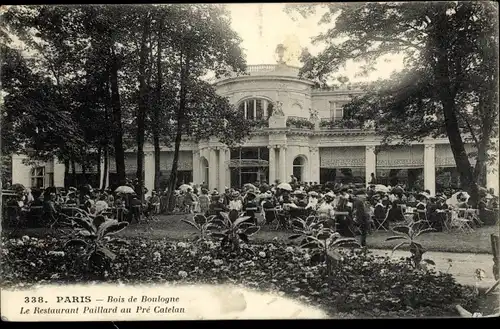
(235, 194)
(330, 195)
(424, 194)
(313, 193)
(215, 193)
(298, 192)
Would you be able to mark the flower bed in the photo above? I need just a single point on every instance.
(362, 286)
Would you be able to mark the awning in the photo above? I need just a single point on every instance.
(235, 163)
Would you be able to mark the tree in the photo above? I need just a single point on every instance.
(449, 85)
(200, 40)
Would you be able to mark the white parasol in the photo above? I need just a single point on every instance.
(285, 186)
(125, 190)
(184, 187)
(453, 200)
(381, 188)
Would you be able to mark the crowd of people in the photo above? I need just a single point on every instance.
(351, 208)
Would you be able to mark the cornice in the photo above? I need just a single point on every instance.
(261, 78)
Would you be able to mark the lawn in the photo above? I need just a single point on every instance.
(173, 228)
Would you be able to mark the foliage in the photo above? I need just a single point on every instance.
(234, 228)
(365, 286)
(344, 124)
(96, 233)
(203, 226)
(409, 233)
(322, 241)
(448, 86)
(299, 123)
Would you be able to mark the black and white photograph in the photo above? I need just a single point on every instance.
(249, 161)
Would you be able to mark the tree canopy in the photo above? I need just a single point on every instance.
(449, 86)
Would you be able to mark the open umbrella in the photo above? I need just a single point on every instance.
(285, 186)
(381, 188)
(125, 190)
(184, 187)
(249, 187)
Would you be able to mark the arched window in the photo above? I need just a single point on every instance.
(299, 164)
(255, 108)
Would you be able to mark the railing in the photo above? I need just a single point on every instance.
(261, 68)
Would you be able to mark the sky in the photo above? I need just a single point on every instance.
(278, 27)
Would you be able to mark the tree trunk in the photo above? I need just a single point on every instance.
(157, 109)
(99, 155)
(84, 173)
(180, 119)
(73, 173)
(66, 174)
(117, 119)
(143, 102)
(105, 169)
(447, 99)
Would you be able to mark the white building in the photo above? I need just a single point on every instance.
(294, 143)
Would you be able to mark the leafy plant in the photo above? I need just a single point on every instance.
(95, 235)
(409, 233)
(299, 123)
(323, 242)
(233, 229)
(202, 224)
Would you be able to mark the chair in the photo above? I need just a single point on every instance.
(422, 216)
(460, 222)
(379, 224)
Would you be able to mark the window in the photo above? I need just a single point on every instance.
(298, 168)
(336, 111)
(255, 109)
(37, 177)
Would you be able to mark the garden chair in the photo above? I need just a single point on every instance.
(422, 216)
(460, 222)
(379, 223)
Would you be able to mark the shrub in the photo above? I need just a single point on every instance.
(364, 286)
(233, 229)
(95, 235)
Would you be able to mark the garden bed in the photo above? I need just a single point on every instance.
(361, 286)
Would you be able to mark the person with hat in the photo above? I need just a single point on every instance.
(362, 214)
(204, 201)
(313, 201)
(235, 203)
(250, 206)
(217, 205)
(326, 211)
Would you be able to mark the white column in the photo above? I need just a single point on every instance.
(222, 169)
(149, 172)
(228, 170)
(430, 168)
(245, 110)
(264, 105)
(282, 164)
(492, 171)
(254, 109)
(196, 168)
(272, 164)
(212, 169)
(370, 163)
(59, 169)
(314, 164)
(21, 173)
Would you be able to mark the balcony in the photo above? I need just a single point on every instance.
(299, 123)
(268, 70)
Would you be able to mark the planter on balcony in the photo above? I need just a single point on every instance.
(341, 124)
(299, 123)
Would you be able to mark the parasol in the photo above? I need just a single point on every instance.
(184, 187)
(285, 186)
(125, 189)
(249, 186)
(453, 200)
(381, 188)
